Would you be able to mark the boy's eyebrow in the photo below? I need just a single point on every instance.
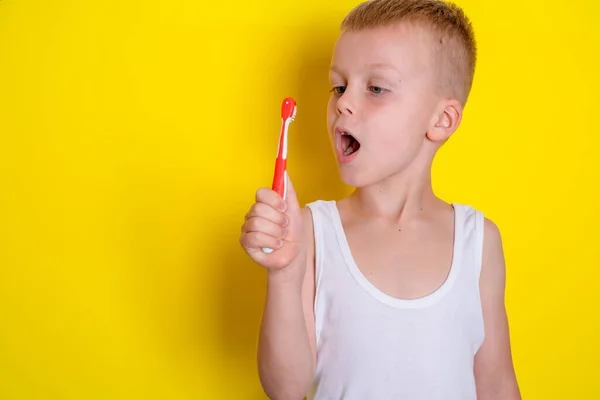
(382, 66)
(379, 65)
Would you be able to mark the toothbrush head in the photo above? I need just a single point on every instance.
(288, 109)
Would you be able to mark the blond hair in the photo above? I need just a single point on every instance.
(454, 47)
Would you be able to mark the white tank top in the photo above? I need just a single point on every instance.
(374, 346)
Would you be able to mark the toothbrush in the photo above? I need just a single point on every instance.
(280, 177)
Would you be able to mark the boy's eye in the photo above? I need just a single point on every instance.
(377, 89)
(338, 89)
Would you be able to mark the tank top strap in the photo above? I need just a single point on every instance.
(472, 246)
(324, 231)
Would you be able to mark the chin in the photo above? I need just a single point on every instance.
(361, 177)
(353, 177)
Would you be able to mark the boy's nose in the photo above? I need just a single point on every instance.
(344, 106)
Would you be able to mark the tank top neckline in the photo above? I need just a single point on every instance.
(374, 291)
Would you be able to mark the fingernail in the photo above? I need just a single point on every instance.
(283, 206)
(280, 243)
(286, 220)
(284, 232)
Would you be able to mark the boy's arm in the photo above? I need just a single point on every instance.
(287, 350)
(494, 372)
(309, 288)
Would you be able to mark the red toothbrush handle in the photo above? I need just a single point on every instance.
(279, 177)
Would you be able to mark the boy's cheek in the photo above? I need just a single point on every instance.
(331, 118)
(331, 106)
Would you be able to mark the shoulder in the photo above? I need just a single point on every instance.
(491, 234)
(489, 240)
(493, 264)
(308, 226)
(492, 279)
(487, 228)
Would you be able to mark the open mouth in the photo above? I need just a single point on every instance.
(349, 144)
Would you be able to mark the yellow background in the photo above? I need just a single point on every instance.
(135, 133)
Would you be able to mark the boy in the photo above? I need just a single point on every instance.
(390, 293)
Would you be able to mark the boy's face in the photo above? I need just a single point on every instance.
(383, 96)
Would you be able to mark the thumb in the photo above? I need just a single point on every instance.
(291, 198)
(294, 213)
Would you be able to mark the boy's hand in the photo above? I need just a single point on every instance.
(277, 224)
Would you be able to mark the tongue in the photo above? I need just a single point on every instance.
(346, 141)
(350, 145)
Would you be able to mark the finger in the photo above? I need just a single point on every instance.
(265, 211)
(259, 240)
(271, 198)
(257, 224)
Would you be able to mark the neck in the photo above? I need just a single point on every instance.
(401, 196)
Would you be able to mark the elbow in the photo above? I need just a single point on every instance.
(507, 389)
(285, 393)
(287, 387)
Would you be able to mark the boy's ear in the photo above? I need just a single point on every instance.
(445, 121)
